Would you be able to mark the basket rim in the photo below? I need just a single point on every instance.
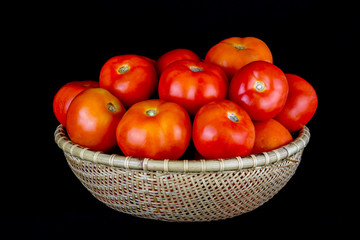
(166, 165)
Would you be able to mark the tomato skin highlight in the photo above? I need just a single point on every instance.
(175, 55)
(154, 129)
(92, 119)
(300, 106)
(66, 94)
(269, 135)
(233, 53)
(261, 89)
(192, 84)
(131, 78)
(223, 129)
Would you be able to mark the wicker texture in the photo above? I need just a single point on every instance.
(189, 190)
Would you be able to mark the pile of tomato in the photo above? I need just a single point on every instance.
(235, 102)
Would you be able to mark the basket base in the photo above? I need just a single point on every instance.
(183, 197)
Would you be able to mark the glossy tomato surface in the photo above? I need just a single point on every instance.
(300, 106)
(92, 119)
(131, 78)
(154, 129)
(261, 89)
(66, 94)
(173, 56)
(150, 60)
(269, 135)
(192, 84)
(223, 129)
(233, 53)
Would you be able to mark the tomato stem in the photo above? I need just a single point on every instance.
(195, 69)
(123, 69)
(259, 86)
(151, 112)
(232, 117)
(111, 107)
(239, 47)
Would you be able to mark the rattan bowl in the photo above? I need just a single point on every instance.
(183, 190)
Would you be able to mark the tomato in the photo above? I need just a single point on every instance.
(173, 56)
(269, 135)
(300, 106)
(261, 89)
(192, 84)
(150, 60)
(223, 129)
(131, 78)
(235, 52)
(92, 119)
(154, 129)
(66, 94)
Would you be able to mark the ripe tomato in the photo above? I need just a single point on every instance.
(66, 94)
(223, 129)
(92, 119)
(131, 78)
(235, 52)
(269, 135)
(300, 106)
(154, 129)
(150, 60)
(192, 84)
(173, 56)
(261, 89)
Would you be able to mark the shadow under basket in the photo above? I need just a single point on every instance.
(183, 190)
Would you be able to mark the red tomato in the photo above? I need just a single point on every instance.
(173, 56)
(66, 94)
(92, 119)
(269, 135)
(131, 78)
(261, 89)
(233, 53)
(192, 84)
(300, 106)
(150, 60)
(223, 129)
(154, 129)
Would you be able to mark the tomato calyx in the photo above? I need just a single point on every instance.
(196, 69)
(259, 86)
(111, 107)
(239, 46)
(233, 117)
(151, 112)
(123, 69)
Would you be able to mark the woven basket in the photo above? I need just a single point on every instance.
(183, 190)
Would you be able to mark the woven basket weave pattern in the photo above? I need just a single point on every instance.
(180, 195)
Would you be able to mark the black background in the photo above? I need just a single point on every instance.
(55, 42)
